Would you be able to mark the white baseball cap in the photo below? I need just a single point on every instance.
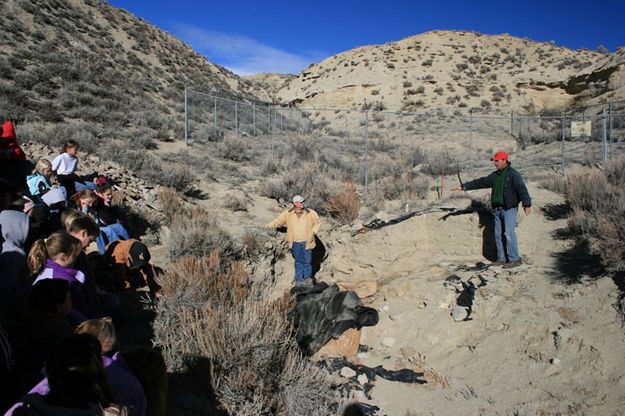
(298, 198)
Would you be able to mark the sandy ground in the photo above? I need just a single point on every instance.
(542, 339)
(534, 344)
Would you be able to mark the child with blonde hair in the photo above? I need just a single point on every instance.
(41, 180)
(53, 258)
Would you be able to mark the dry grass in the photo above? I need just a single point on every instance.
(417, 361)
(344, 207)
(598, 201)
(170, 202)
(555, 183)
(235, 202)
(308, 179)
(210, 310)
(197, 233)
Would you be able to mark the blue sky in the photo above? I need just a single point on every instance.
(250, 37)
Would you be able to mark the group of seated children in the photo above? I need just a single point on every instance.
(58, 350)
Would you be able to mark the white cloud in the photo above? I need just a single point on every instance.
(243, 55)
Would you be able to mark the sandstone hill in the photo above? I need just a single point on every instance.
(271, 83)
(87, 61)
(542, 339)
(453, 70)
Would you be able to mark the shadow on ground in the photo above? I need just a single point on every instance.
(555, 212)
(191, 393)
(575, 264)
(133, 319)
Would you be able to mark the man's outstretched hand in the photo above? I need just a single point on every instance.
(527, 210)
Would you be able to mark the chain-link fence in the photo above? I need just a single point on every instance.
(371, 139)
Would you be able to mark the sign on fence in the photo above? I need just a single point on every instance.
(581, 128)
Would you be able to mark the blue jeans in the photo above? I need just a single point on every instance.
(303, 261)
(508, 218)
(109, 234)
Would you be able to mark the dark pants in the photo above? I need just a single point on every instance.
(68, 181)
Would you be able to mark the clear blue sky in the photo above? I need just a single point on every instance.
(286, 36)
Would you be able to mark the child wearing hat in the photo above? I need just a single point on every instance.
(130, 262)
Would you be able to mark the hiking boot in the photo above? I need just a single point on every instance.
(512, 264)
(498, 263)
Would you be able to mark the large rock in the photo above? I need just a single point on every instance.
(344, 346)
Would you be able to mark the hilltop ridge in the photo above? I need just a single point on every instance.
(454, 69)
(87, 61)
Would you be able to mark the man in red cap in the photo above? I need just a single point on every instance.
(508, 190)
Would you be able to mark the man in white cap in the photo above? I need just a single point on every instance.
(302, 224)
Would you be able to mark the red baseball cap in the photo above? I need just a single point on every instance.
(499, 156)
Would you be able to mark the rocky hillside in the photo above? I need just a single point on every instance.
(271, 83)
(86, 61)
(456, 70)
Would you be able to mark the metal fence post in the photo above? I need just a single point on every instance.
(471, 142)
(562, 121)
(366, 150)
(236, 116)
(272, 138)
(605, 136)
(186, 118)
(215, 112)
(610, 125)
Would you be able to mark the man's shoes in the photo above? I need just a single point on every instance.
(498, 263)
(512, 264)
(304, 282)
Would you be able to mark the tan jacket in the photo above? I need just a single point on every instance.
(298, 228)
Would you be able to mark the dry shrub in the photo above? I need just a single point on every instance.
(196, 233)
(345, 206)
(235, 202)
(212, 311)
(554, 183)
(178, 177)
(308, 179)
(170, 202)
(234, 149)
(303, 149)
(598, 201)
(442, 161)
(407, 187)
(417, 361)
(254, 243)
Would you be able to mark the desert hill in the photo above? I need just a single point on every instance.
(456, 70)
(541, 339)
(87, 61)
(271, 83)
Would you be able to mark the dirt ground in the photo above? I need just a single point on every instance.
(541, 339)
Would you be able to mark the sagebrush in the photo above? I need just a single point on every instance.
(598, 201)
(213, 311)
